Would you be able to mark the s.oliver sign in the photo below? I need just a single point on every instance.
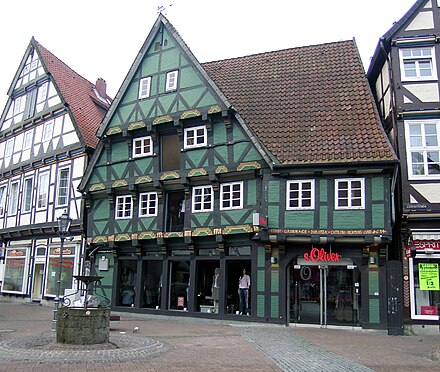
(321, 255)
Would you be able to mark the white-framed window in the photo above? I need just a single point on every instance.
(9, 148)
(171, 82)
(423, 148)
(195, 137)
(2, 199)
(142, 146)
(148, 204)
(28, 188)
(19, 105)
(63, 186)
(202, 199)
(48, 131)
(418, 63)
(124, 207)
(42, 190)
(300, 194)
(231, 195)
(42, 92)
(27, 139)
(144, 87)
(350, 193)
(13, 198)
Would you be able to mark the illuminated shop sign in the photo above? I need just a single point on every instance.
(427, 244)
(320, 255)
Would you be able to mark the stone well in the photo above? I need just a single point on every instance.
(83, 326)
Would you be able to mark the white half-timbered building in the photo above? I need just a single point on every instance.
(47, 134)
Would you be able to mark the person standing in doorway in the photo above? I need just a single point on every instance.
(243, 287)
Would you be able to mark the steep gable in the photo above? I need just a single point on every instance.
(307, 105)
(86, 105)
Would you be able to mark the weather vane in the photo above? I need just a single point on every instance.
(161, 9)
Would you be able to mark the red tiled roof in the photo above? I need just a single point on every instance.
(307, 105)
(79, 94)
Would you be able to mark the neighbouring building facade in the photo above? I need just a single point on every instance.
(274, 165)
(404, 75)
(47, 135)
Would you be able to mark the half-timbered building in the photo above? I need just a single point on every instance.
(404, 77)
(47, 134)
(274, 164)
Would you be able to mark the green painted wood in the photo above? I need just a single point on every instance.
(374, 311)
(236, 216)
(377, 189)
(373, 282)
(378, 216)
(274, 192)
(147, 223)
(260, 306)
(101, 209)
(274, 306)
(219, 133)
(323, 190)
(119, 170)
(273, 216)
(352, 219)
(299, 219)
(222, 155)
(275, 280)
(119, 151)
(196, 156)
(199, 219)
(251, 192)
(323, 217)
(261, 276)
(261, 257)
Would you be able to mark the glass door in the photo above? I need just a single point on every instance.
(323, 294)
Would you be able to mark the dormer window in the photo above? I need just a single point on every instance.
(195, 137)
(144, 87)
(142, 146)
(171, 83)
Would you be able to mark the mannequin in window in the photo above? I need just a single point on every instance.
(215, 289)
(243, 288)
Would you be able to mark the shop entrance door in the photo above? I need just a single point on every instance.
(324, 295)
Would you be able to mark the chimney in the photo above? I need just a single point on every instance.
(101, 87)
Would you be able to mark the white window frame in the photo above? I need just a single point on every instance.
(48, 131)
(191, 137)
(63, 187)
(148, 201)
(424, 148)
(123, 207)
(43, 190)
(144, 87)
(140, 144)
(3, 192)
(13, 198)
(350, 197)
(301, 199)
(171, 81)
(9, 147)
(27, 139)
(42, 92)
(199, 194)
(19, 105)
(228, 195)
(27, 198)
(412, 57)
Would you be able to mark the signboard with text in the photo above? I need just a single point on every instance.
(429, 277)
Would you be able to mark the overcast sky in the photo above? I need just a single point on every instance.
(100, 38)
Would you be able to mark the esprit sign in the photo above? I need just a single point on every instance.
(320, 255)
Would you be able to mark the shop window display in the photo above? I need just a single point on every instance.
(238, 300)
(208, 286)
(152, 283)
(66, 270)
(426, 287)
(179, 285)
(14, 270)
(127, 283)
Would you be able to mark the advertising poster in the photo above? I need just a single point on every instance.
(429, 277)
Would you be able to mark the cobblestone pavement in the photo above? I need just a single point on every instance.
(166, 343)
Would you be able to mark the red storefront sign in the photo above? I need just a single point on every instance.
(421, 245)
(428, 310)
(320, 255)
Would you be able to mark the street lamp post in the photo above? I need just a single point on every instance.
(64, 222)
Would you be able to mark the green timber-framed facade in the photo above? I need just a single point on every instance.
(227, 165)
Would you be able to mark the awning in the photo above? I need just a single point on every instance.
(426, 235)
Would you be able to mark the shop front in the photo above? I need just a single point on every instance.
(16, 270)
(424, 270)
(325, 287)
